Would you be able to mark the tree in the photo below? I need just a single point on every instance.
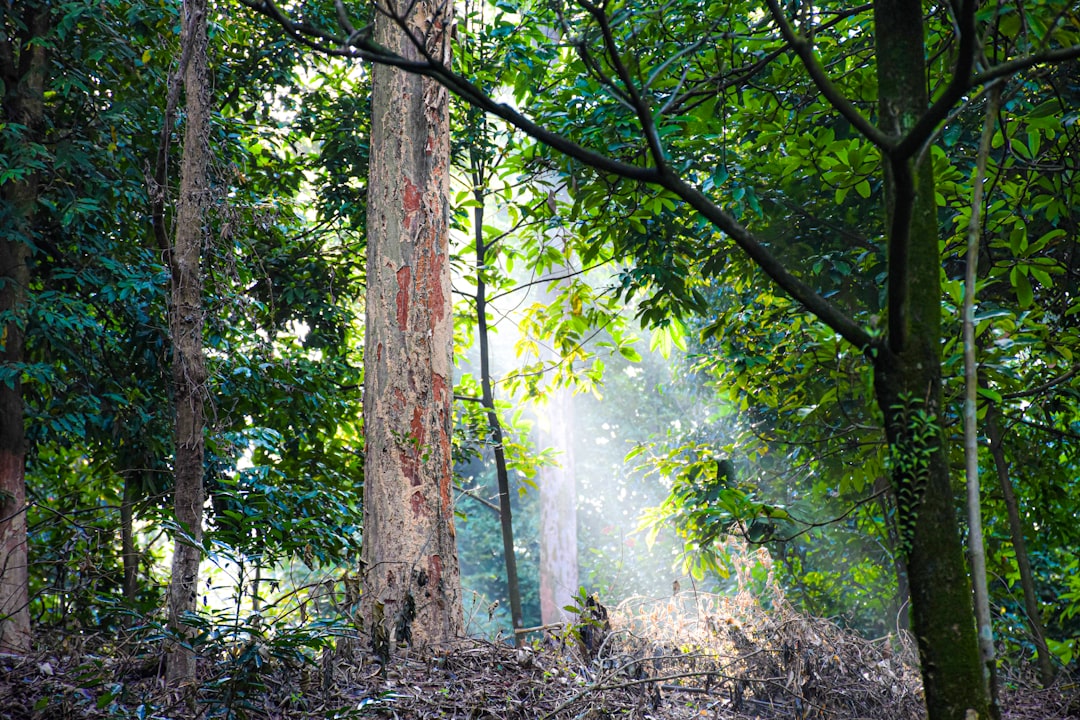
(23, 69)
(186, 330)
(558, 509)
(658, 122)
(411, 583)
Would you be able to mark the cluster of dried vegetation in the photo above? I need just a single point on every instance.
(692, 655)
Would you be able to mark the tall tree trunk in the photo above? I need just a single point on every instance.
(907, 378)
(186, 327)
(23, 66)
(1045, 660)
(411, 581)
(558, 510)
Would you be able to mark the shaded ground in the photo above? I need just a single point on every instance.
(691, 656)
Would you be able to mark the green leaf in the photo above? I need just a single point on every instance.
(1022, 285)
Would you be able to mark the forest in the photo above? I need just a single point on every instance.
(540, 359)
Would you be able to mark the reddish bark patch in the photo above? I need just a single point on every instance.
(417, 426)
(435, 568)
(418, 504)
(404, 280)
(410, 466)
(439, 305)
(411, 202)
(439, 387)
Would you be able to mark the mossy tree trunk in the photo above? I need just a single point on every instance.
(907, 376)
(411, 582)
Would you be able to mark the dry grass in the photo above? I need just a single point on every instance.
(692, 655)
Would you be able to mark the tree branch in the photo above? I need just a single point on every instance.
(1040, 389)
(365, 49)
(802, 293)
(805, 50)
(960, 83)
(1011, 67)
(641, 108)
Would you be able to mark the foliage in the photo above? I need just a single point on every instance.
(770, 430)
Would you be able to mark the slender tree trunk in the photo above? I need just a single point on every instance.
(186, 327)
(1047, 671)
(411, 581)
(506, 516)
(129, 553)
(907, 379)
(976, 547)
(558, 510)
(23, 65)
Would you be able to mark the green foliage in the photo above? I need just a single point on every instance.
(480, 551)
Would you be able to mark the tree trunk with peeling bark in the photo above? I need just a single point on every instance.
(186, 329)
(411, 581)
(23, 67)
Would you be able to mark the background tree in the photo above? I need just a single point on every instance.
(186, 331)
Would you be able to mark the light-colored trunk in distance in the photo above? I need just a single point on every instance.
(558, 509)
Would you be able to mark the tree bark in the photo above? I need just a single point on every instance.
(411, 581)
(976, 546)
(23, 67)
(129, 552)
(558, 510)
(907, 378)
(186, 328)
(1047, 671)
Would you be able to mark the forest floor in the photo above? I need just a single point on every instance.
(692, 656)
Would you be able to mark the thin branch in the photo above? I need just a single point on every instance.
(641, 107)
(486, 503)
(804, 48)
(1040, 389)
(1020, 64)
(802, 293)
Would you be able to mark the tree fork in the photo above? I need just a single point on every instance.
(907, 371)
